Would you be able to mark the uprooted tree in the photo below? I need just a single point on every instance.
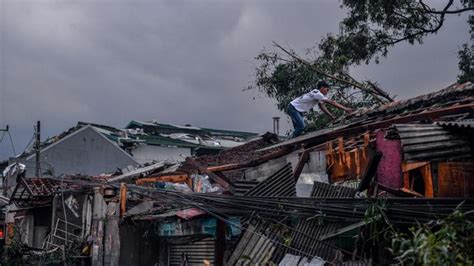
(367, 33)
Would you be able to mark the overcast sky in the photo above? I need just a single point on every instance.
(179, 62)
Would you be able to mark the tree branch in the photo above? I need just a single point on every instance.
(422, 30)
(352, 83)
(427, 9)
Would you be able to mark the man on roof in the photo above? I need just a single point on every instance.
(301, 105)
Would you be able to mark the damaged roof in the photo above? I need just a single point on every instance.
(456, 101)
(182, 136)
(456, 94)
(153, 127)
(430, 142)
(243, 153)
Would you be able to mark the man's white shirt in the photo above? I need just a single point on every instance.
(308, 100)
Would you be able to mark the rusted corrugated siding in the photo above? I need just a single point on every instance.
(456, 179)
(347, 159)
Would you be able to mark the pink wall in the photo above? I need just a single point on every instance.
(389, 171)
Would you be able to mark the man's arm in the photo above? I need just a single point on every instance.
(338, 105)
(325, 110)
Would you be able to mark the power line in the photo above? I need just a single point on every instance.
(13, 145)
(222, 218)
(7, 131)
(29, 142)
(3, 135)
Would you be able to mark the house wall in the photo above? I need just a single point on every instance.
(456, 179)
(146, 153)
(85, 152)
(389, 171)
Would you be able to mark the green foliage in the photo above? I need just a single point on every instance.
(285, 80)
(448, 241)
(466, 58)
(466, 64)
(18, 253)
(373, 26)
(369, 30)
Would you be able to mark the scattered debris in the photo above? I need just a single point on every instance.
(323, 198)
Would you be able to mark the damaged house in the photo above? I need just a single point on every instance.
(93, 149)
(313, 200)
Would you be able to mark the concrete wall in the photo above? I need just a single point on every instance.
(83, 152)
(147, 153)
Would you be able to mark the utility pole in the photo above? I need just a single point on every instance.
(276, 125)
(4, 187)
(38, 147)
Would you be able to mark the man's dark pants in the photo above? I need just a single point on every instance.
(297, 119)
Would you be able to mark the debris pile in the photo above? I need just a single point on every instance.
(328, 197)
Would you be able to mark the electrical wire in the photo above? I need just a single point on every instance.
(207, 209)
(3, 135)
(13, 145)
(222, 218)
(65, 213)
(29, 142)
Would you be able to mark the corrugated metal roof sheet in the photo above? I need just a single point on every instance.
(305, 237)
(257, 244)
(430, 142)
(468, 123)
(411, 110)
(282, 184)
(193, 253)
(323, 190)
(454, 94)
(156, 127)
(241, 187)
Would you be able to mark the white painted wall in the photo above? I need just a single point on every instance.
(83, 152)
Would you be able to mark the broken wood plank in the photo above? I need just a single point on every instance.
(123, 199)
(299, 167)
(167, 178)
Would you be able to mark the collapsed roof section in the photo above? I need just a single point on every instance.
(453, 103)
(155, 128)
(154, 133)
(243, 153)
(456, 95)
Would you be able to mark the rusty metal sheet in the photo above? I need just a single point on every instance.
(418, 177)
(456, 179)
(346, 164)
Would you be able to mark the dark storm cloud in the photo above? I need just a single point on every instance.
(173, 61)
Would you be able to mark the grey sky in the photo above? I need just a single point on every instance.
(182, 62)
